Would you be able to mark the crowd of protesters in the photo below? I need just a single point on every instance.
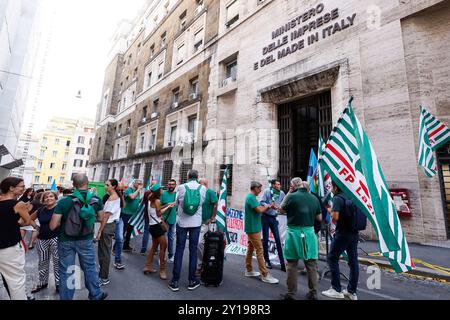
(62, 224)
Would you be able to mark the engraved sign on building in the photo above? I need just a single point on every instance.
(305, 30)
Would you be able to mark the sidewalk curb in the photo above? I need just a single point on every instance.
(418, 271)
(429, 274)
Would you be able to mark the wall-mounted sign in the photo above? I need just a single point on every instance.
(306, 29)
(401, 201)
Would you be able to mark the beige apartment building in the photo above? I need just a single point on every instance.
(272, 75)
(63, 150)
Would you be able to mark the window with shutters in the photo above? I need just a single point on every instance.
(153, 139)
(186, 166)
(181, 52)
(183, 19)
(198, 40)
(136, 171)
(167, 172)
(232, 13)
(147, 172)
(113, 176)
(122, 172)
(161, 70)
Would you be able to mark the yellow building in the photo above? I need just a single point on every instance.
(62, 150)
(54, 153)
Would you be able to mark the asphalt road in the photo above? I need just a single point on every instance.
(132, 284)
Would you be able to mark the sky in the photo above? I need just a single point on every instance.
(77, 55)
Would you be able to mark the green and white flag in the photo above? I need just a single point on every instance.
(433, 134)
(221, 217)
(138, 221)
(351, 161)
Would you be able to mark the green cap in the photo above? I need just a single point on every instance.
(155, 188)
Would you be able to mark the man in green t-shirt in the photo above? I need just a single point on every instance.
(302, 209)
(170, 216)
(69, 247)
(209, 212)
(253, 212)
(132, 198)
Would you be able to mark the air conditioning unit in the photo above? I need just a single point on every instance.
(154, 115)
(174, 105)
(119, 135)
(199, 9)
(144, 119)
(192, 96)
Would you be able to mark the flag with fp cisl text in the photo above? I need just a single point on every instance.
(433, 134)
(351, 161)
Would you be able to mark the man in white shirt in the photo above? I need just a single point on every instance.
(189, 224)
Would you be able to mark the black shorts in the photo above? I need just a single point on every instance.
(156, 231)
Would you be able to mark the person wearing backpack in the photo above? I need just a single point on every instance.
(189, 201)
(350, 220)
(76, 216)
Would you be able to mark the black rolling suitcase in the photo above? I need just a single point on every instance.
(213, 257)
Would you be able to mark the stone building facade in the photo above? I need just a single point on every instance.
(155, 94)
(279, 72)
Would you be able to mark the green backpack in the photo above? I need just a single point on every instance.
(191, 200)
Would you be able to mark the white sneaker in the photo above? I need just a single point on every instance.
(252, 274)
(171, 260)
(269, 279)
(331, 293)
(349, 296)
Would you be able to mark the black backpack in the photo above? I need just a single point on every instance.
(75, 225)
(359, 219)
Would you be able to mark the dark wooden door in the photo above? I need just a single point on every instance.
(285, 142)
(444, 174)
(299, 124)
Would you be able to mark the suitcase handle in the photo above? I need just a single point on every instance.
(214, 223)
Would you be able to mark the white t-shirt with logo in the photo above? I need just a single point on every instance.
(113, 207)
(184, 220)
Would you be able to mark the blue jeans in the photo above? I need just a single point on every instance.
(146, 237)
(127, 230)
(170, 239)
(271, 223)
(69, 278)
(118, 235)
(344, 242)
(182, 234)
